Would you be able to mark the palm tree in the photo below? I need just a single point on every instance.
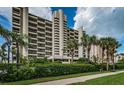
(20, 42)
(102, 43)
(72, 44)
(86, 43)
(13, 53)
(7, 44)
(109, 45)
(94, 40)
(3, 51)
(114, 45)
(7, 35)
(89, 43)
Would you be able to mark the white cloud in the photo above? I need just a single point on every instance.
(6, 12)
(44, 12)
(101, 21)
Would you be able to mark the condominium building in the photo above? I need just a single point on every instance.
(61, 33)
(73, 34)
(96, 51)
(19, 25)
(82, 51)
(48, 38)
(119, 57)
(38, 30)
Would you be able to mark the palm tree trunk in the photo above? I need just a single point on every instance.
(72, 55)
(17, 56)
(107, 67)
(113, 62)
(88, 54)
(8, 53)
(72, 59)
(102, 55)
(82, 51)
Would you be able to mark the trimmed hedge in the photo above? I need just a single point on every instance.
(12, 73)
(119, 66)
(23, 72)
(27, 72)
(63, 69)
(6, 65)
(103, 66)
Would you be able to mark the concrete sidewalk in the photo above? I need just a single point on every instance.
(77, 79)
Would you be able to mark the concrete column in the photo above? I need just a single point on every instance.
(25, 30)
(53, 53)
(61, 31)
(80, 48)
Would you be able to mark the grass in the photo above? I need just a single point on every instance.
(39, 80)
(117, 79)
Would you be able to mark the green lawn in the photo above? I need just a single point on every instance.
(33, 81)
(107, 80)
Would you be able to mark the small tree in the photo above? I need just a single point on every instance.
(20, 42)
(72, 44)
(3, 53)
(6, 34)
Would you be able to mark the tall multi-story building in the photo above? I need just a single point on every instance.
(62, 33)
(82, 51)
(38, 30)
(119, 57)
(96, 51)
(19, 25)
(73, 34)
(59, 31)
(48, 38)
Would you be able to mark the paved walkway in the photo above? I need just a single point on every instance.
(77, 79)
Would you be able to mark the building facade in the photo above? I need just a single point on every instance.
(48, 38)
(61, 33)
(119, 57)
(38, 30)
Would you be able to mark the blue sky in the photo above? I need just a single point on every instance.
(70, 12)
(95, 21)
(6, 24)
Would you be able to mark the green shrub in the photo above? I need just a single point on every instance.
(57, 61)
(62, 69)
(39, 60)
(119, 66)
(12, 73)
(102, 66)
(23, 60)
(121, 61)
(5, 66)
(24, 72)
(83, 60)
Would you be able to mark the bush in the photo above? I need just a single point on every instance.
(102, 66)
(27, 72)
(63, 69)
(12, 73)
(23, 72)
(83, 60)
(39, 60)
(23, 60)
(119, 66)
(121, 61)
(5, 66)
